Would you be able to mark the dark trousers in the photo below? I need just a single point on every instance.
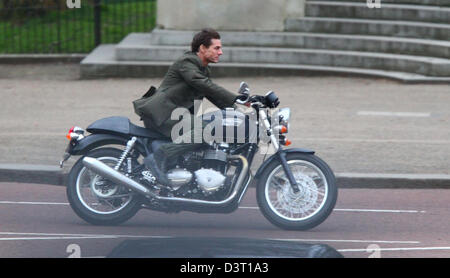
(171, 151)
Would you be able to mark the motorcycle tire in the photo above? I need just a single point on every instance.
(283, 207)
(78, 195)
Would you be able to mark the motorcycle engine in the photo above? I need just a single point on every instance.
(209, 180)
(206, 167)
(210, 177)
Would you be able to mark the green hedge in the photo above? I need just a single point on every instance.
(52, 29)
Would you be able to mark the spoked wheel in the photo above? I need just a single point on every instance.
(304, 209)
(96, 199)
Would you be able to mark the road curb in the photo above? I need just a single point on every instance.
(53, 175)
(41, 58)
(27, 173)
(359, 180)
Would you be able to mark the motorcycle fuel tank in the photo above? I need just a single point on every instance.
(230, 126)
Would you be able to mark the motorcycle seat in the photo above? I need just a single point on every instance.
(123, 126)
(139, 131)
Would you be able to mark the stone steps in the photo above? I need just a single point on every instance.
(101, 63)
(384, 44)
(402, 40)
(370, 27)
(301, 56)
(442, 3)
(356, 10)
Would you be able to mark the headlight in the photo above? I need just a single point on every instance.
(283, 120)
(284, 114)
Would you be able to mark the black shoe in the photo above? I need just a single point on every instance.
(160, 175)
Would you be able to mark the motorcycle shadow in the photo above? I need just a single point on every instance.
(220, 247)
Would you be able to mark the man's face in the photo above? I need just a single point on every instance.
(212, 53)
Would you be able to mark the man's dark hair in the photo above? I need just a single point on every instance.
(204, 37)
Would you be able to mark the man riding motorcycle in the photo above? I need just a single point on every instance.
(188, 79)
(295, 189)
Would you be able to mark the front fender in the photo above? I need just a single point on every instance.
(96, 140)
(275, 156)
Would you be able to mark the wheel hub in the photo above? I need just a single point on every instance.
(301, 201)
(101, 188)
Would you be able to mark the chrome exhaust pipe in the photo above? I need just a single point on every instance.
(105, 171)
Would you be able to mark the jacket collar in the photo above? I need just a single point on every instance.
(194, 57)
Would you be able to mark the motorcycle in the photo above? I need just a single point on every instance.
(109, 184)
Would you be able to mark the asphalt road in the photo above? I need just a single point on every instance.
(37, 222)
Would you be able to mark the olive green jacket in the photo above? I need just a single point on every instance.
(186, 80)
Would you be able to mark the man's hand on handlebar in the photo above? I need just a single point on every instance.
(243, 99)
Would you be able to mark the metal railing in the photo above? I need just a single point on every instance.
(60, 26)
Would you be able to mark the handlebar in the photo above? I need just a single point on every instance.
(269, 100)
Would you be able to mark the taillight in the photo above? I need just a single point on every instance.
(75, 132)
(70, 132)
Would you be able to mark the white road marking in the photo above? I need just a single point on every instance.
(363, 210)
(51, 236)
(368, 140)
(253, 208)
(32, 203)
(392, 114)
(348, 240)
(395, 176)
(78, 235)
(381, 210)
(397, 249)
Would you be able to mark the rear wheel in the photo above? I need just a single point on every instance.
(96, 199)
(297, 210)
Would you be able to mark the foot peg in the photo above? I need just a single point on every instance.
(160, 176)
(148, 176)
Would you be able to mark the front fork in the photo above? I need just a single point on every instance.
(281, 155)
(287, 170)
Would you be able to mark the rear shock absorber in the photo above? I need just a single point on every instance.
(130, 145)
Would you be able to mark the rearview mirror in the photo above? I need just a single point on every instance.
(244, 89)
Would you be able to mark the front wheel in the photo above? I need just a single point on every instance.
(301, 210)
(96, 199)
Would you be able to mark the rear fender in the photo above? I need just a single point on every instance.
(96, 140)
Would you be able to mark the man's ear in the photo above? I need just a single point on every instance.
(202, 48)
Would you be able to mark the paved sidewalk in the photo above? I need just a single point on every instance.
(372, 132)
